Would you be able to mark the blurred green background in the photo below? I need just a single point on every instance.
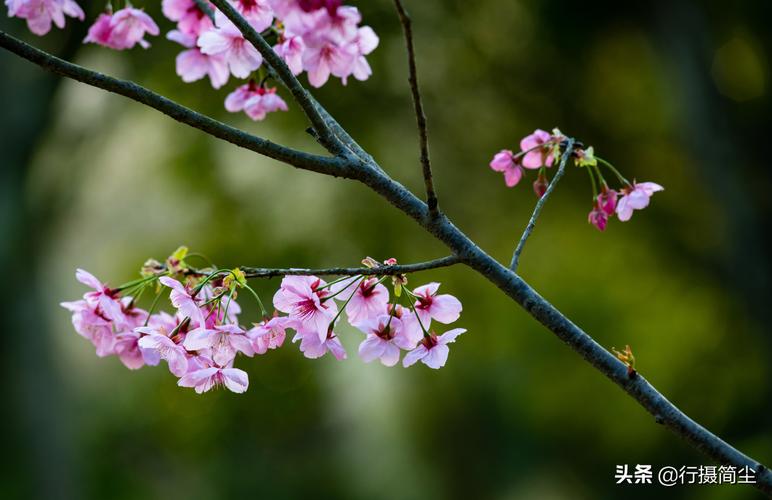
(676, 92)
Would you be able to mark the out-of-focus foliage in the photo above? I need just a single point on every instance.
(674, 92)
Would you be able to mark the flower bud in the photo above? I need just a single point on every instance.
(540, 185)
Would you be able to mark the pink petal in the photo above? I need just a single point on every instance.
(236, 380)
(436, 357)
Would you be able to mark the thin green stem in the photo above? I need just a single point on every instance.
(613, 169)
(257, 298)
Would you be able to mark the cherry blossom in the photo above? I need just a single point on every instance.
(291, 50)
(257, 12)
(635, 197)
(131, 353)
(368, 300)
(92, 325)
(225, 341)
(39, 14)
(130, 25)
(190, 19)
(432, 350)
(193, 65)
(123, 29)
(156, 338)
(255, 101)
(306, 301)
(506, 162)
(226, 40)
(183, 301)
(539, 153)
(268, 334)
(385, 338)
(324, 57)
(103, 299)
(207, 376)
(443, 308)
(314, 347)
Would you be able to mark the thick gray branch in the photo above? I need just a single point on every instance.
(537, 209)
(420, 116)
(664, 412)
(329, 166)
(258, 272)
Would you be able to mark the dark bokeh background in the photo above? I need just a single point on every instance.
(672, 91)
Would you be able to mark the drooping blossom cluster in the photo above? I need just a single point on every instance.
(541, 150)
(201, 338)
(322, 38)
(39, 14)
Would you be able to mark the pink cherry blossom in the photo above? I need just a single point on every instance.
(183, 301)
(101, 32)
(122, 30)
(443, 308)
(369, 300)
(257, 12)
(291, 50)
(266, 101)
(103, 299)
(131, 353)
(254, 100)
(39, 14)
(190, 19)
(433, 350)
(505, 161)
(306, 301)
(385, 338)
(92, 325)
(363, 43)
(268, 334)
(209, 376)
(156, 338)
(635, 197)
(193, 65)
(227, 41)
(541, 155)
(313, 347)
(224, 341)
(324, 57)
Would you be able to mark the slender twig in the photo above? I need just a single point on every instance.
(539, 204)
(328, 139)
(300, 159)
(638, 388)
(420, 116)
(258, 272)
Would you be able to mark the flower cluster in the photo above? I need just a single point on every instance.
(320, 37)
(202, 338)
(123, 29)
(39, 14)
(541, 150)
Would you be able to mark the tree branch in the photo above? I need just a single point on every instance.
(420, 116)
(259, 272)
(539, 204)
(309, 106)
(664, 412)
(300, 159)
